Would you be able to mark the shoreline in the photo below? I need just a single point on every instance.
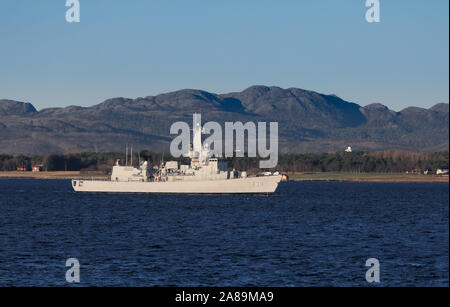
(367, 177)
(49, 175)
(337, 177)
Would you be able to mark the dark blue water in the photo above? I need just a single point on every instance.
(309, 234)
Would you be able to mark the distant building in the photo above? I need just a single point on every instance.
(37, 168)
(441, 171)
(427, 172)
(22, 168)
(349, 149)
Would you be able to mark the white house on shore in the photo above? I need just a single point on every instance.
(348, 149)
(441, 171)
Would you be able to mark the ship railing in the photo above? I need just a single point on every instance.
(90, 179)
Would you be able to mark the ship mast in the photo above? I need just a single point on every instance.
(197, 138)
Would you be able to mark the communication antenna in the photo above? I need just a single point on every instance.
(126, 155)
(131, 156)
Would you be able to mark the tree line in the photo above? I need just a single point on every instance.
(357, 162)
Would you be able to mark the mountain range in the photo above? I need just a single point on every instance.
(308, 122)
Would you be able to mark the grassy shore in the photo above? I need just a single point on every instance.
(366, 177)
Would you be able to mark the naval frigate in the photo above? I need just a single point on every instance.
(204, 175)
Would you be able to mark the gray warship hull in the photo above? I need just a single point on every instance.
(249, 185)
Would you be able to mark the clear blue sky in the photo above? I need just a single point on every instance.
(145, 47)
